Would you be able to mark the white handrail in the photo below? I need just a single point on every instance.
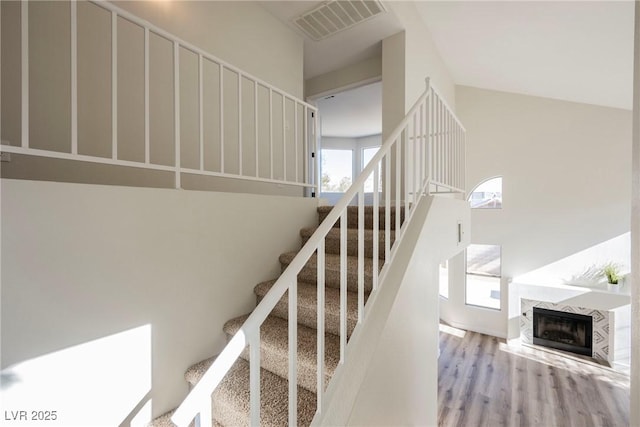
(200, 395)
(308, 116)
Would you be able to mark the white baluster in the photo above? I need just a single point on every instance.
(147, 153)
(176, 109)
(376, 225)
(221, 89)
(343, 284)
(200, 111)
(320, 326)
(254, 377)
(73, 6)
(293, 353)
(240, 123)
(398, 205)
(114, 85)
(387, 206)
(361, 254)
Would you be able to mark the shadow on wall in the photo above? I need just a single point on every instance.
(105, 382)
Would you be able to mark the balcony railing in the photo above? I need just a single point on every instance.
(261, 133)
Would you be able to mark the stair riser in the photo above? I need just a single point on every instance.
(332, 278)
(352, 220)
(231, 399)
(332, 246)
(308, 316)
(278, 364)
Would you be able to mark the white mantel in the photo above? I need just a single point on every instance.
(597, 296)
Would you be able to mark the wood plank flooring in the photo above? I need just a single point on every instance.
(484, 382)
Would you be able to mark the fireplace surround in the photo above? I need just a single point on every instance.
(603, 325)
(563, 330)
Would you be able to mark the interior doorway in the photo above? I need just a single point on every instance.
(350, 135)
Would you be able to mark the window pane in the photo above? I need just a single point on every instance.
(483, 275)
(337, 170)
(483, 260)
(367, 155)
(444, 279)
(487, 195)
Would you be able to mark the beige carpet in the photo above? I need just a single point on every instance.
(231, 399)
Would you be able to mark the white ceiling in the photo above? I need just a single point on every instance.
(353, 113)
(345, 48)
(578, 51)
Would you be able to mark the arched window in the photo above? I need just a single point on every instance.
(487, 194)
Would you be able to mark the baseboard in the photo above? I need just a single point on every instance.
(485, 331)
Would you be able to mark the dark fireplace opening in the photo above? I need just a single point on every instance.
(564, 331)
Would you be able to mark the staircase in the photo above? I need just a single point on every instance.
(231, 399)
(294, 316)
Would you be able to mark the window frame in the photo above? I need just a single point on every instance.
(353, 171)
(490, 276)
(474, 190)
(440, 268)
(363, 164)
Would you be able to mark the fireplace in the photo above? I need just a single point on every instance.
(562, 330)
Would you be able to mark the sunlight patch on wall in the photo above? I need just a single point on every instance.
(97, 383)
(583, 268)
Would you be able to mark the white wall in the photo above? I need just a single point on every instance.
(369, 141)
(408, 58)
(84, 262)
(355, 144)
(393, 82)
(353, 75)
(236, 32)
(422, 58)
(566, 185)
(584, 268)
(401, 385)
(390, 373)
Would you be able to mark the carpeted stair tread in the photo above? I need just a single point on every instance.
(309, 272)
(231, 399)
(195, 372)
(307, 306)
(164, 420)
(274, 349)
(352, 216)
(332, 241)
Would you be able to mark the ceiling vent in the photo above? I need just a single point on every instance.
(336, 15)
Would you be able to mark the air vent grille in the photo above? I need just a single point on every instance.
(336, 15)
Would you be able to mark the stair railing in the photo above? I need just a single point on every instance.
(288, 161)
(425, 154)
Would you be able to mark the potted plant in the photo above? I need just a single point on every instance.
(612, 273)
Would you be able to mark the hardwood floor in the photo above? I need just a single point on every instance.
(484, 382)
